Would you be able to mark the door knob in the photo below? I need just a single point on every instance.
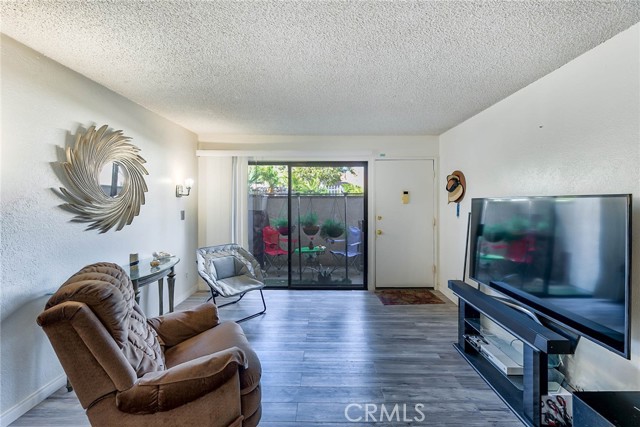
(379, 217)
(379, 232)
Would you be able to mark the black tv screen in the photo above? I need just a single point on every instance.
(566, 258)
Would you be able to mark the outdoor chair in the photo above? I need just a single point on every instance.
(274, 255)
(230, 271)
(351, 253)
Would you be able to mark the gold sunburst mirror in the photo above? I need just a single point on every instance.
(105, 177)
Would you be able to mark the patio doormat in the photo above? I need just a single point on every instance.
(407, 296)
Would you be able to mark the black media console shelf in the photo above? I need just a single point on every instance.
(520, 393)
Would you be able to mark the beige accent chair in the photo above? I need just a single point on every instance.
(181, 369)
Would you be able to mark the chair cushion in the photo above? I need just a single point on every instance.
(236, 285)
(223, 336)
(173, 328)
(225, 267)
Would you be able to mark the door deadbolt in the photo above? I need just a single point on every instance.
(379, 232)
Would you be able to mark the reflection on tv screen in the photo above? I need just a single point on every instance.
(570, 254)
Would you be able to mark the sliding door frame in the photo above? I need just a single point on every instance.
(365, 227)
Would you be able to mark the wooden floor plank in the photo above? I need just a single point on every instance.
(324, 350)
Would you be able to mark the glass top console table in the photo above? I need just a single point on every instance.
(146, 274)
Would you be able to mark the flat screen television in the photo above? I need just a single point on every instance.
(566, 258)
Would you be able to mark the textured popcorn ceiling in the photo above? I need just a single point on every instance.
(315, 67)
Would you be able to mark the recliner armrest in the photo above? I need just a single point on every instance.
(165, 390)
(173, 328)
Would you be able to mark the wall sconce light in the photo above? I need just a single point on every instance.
(180, 189)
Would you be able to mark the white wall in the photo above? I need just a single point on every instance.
(43, 106)
(301, 147)
(214, 201)
(575, 131)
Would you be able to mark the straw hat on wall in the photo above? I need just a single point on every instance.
(456, 185)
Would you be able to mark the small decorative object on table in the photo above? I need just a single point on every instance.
(161, 256)
(133, 262)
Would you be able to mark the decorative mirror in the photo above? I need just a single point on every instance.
(111, 179)
(105, 174)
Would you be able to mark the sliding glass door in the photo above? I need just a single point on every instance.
(307, 223)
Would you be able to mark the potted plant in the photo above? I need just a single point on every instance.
(282, 225)
(309, 223)
(331, 228)
(324, 275)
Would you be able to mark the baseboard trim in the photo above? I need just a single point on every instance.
(21, 408)
(184, 295)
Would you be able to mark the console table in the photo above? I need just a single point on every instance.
(146, 274)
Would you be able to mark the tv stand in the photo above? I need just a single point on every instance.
(521, 393)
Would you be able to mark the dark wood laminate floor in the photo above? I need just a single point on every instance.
(322, 351)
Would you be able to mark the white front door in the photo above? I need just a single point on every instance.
(404, 229)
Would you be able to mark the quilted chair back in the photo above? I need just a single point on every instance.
(93, 317)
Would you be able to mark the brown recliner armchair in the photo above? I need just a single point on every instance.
(184, 368)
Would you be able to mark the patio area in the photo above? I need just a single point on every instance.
(319, 257)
